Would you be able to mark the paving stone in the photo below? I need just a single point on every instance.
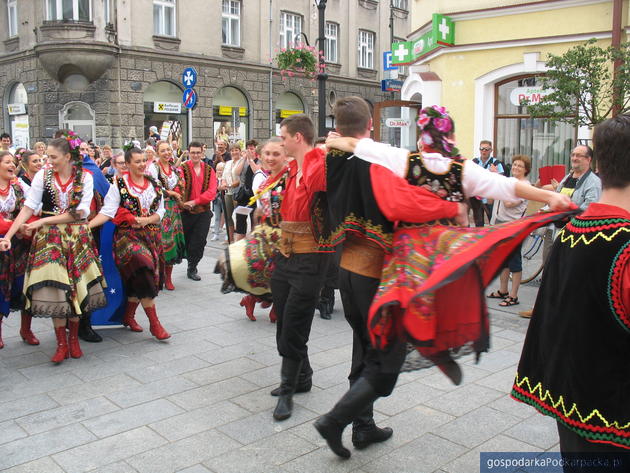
(149, 374)
(222, 371)
(132, 417)
(199, 420)
(119, 467)
(464, 399)
(538, 430)
(438, 380)
(10, 431)
(40, 445)
(26, 360)
(42, 465)
(65, 415)
(501, 380)
(140, 393)
(413, 423)
(212, 393)
(510, 406)
(477, 426)
(223, 354)
(195, 469)
(331, 376)
(43, 385)
(323, 459)
(259, 400)
(109, 450)
(183, 453)
(497, 360)
(406, 396)
(25, 406)
(264, 377)
(321, 400)
(91, 389)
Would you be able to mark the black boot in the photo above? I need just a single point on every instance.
(289, 373)
(365, 432)
(305, 380)
(192, 273)
(86, 332)
(330, 426)
(326, 303)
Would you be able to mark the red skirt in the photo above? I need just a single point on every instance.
(432, 287)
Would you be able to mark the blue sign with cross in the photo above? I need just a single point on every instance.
(189, 99)
(189, 77)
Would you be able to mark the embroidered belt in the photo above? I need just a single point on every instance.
(297, 238)
(363, 257)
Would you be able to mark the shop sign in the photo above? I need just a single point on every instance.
(20, 131)
(391, 85)
(167, 107)
(16, 108)
(442, 33)
(397, 122)
(288, 113)
(226, 110)
(531, 95)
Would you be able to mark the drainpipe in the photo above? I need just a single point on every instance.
(616, 42)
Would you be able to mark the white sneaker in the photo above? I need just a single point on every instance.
(214, 237)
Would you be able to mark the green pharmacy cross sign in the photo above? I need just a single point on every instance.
(442, 33)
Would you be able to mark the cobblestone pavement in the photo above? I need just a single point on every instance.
(200, 402)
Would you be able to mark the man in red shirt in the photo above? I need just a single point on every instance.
(200, 189)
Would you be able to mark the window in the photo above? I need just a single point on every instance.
(107, 11)
(330, 46)
(231, 22)
(402, 4)
(12, 17)
(164, 17)
(69, 10)
(290, 29)
(366, 49)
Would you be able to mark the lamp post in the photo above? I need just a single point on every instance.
(322, 76)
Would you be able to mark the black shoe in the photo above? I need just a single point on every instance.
(351, 406)
(364, 438)
(289, 373)
(192, 274)
(325, 315)
(86, 332)
(302, 387)
(324, 309)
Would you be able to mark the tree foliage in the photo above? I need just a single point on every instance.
(585, 91)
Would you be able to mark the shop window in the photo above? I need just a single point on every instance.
(231, 23)
(290, 29)
(69, 10)
(366, 49)
(231, 115)
(517, 132)
(80, 118)
(287, 104)
(163, 109)
(12, 18)
(400, 4)
(332, 41)
(16, 115)
(164, 18)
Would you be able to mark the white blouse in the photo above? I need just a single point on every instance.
(7, 204)
(34, 196)
(171, 181)
(146, 198)
(476, 181)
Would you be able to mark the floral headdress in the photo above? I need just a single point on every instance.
(437, 118)
(74, 142)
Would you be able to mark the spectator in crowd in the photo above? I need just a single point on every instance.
(581, 184)
(40, 148)
(5, 143)
(481, 206)
(220, 152)
(217, 204)
(154, 135)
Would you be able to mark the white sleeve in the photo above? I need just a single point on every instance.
(394, 159)
(34, 195)
(259, 178)
(477, 181)
(152, 171)
(111, 202)
(88, 193)
(25, 187)
(160, 211)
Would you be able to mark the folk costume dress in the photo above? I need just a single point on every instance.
(432, 283)
(173, 242)
(574, 365)
(248, 264)
(63, 274)
(138, 251)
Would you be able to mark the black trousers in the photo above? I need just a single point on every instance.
(574, 447)
(380, 367)
(295, 286)
(479, 210)
(196, 227)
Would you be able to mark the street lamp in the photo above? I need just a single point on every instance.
(322, 76)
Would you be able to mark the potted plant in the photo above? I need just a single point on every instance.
(300, 59)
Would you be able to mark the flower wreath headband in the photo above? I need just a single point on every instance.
(442, 122)
(74, 142)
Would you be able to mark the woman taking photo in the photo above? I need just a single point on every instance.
(136, 202)
(173, 244)
(12, 262)
(63, 277)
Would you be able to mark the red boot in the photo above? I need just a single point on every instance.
(272, 315)
(25, 330)
(128, 319)
(154, 324)
(249, 302)
(264, 304)
(73, 340)
(62, 345)
(168, 284)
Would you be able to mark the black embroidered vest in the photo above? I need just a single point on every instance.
(132, 203)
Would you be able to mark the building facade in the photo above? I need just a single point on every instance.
(499, 50)
(110, 69)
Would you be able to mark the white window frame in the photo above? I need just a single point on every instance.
(331, 45)
(401, 4)
(231, 22)
(12, 21)
(290, 29)
(163, 5)
(59, 9)
(366, 49)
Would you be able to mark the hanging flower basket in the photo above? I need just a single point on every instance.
(300, 60)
